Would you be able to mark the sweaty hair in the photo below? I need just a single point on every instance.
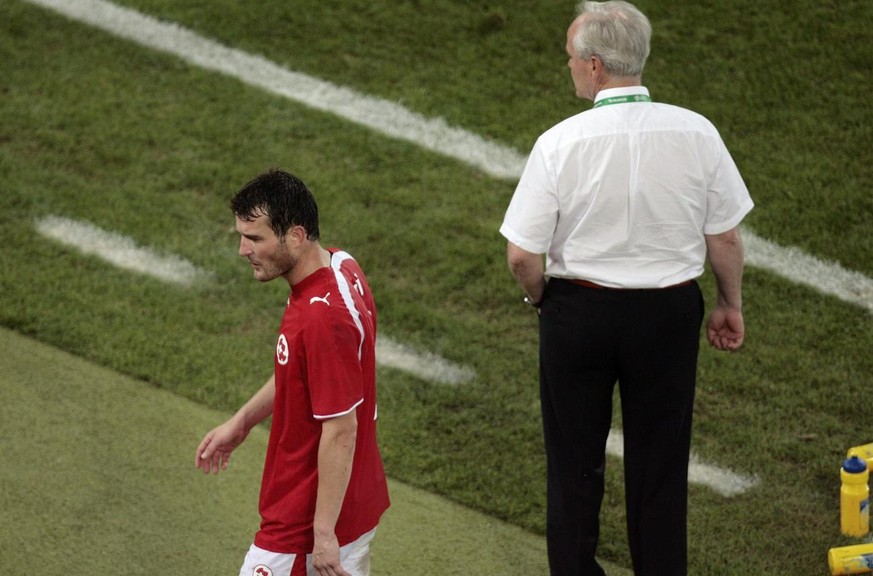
(281, 197)
(617, 33)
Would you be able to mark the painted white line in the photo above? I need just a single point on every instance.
(431, 133)
(123, 252)
(421, 364)
(723, 481)
(118, 250)
(801, 268)
(396, 121)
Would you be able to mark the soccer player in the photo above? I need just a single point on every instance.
(323, 489)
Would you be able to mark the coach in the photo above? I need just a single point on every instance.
(626, 200)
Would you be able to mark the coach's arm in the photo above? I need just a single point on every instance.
(528, 269)
(725, 328)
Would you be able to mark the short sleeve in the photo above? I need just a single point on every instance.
(532, 215)
(728, 200)
(333, 366)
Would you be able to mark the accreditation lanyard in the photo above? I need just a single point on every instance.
(623, 100)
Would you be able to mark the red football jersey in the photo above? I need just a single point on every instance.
(325, 366)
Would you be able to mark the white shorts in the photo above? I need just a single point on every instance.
(354, 557)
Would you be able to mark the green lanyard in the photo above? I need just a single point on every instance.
(622, 100)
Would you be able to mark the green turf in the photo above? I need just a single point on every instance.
(98, 477)
(94, 128)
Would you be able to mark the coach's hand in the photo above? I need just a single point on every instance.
(725, 329)
(213, 453)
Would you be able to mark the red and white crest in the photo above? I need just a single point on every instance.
(282, 350)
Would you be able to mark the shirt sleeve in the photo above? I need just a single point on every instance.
(532, 215)
(728, 200)
(333, 369)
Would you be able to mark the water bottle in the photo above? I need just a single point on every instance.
(856, 559)
(864, 452)
(855, 497)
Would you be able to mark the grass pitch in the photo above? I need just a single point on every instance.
(136, 142)
(98, 477)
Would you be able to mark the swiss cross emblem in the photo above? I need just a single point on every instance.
(282, 350)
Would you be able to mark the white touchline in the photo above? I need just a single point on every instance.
(394, 120)
(119, 250)
(723, 481)
(423, 365)
(123, 252)
(801, 268)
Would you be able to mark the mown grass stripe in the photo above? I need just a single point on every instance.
(430, 133)
(124, 253)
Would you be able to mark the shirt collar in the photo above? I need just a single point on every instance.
(623, 91)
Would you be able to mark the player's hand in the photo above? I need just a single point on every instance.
(725, 329)
(213, 453)
(326, 557)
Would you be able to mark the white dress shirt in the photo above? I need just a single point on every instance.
(623, 194)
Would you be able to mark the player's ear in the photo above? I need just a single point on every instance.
(296, 235)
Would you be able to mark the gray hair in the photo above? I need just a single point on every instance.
(617, 33)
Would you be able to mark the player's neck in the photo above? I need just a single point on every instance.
(313, 258)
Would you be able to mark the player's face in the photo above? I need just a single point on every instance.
(269, 255)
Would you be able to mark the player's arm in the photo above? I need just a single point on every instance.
(213, 453)
(336, 451)
(528, 270)
(725, 328)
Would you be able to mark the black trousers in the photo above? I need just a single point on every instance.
(647, 341)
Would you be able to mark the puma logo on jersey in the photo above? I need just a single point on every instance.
(315, 299)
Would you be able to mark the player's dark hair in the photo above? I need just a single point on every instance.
(283, 198)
